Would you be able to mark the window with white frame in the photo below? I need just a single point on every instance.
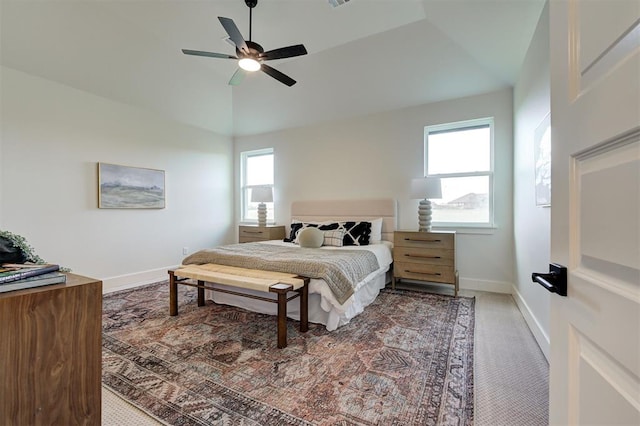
(461, 155)
(256, 171)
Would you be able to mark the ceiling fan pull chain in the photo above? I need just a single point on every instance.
(250, 17)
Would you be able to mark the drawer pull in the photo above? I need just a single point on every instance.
(423, 257)
(423, 273)
(252, 232)
(422, 241)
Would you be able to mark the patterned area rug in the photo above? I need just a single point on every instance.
(406, 360)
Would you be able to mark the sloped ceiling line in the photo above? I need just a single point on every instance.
(364, 57)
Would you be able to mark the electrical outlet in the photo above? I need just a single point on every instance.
(185, 250)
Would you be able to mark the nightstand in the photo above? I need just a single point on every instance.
(252, 233)
(425, 256)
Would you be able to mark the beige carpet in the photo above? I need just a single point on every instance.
(117, 412)
(512, 374)
(506, 393)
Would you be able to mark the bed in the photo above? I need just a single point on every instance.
(324, 306)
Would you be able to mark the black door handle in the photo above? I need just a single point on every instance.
(555, 281)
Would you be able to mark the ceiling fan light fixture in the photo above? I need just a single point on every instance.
(249, 54)
(249, 64)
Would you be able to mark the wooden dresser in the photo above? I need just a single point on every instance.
(425, 256)
(51, 354)
(249, 233)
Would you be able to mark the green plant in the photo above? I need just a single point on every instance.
(21, 243)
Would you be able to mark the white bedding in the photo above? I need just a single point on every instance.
(323, 306)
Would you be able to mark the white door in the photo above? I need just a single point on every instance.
(595, 214)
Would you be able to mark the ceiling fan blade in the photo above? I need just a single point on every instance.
(284, 52)
(234, 33)
(208, 54)
(282, 78)
(237, 77)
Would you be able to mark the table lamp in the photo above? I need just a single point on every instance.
(424, 189)
(262, 195)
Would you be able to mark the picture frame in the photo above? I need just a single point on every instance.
(125, 187)
(542, 165)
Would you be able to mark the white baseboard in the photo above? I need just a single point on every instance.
(124, 282)
(538, 333)
(485, 285)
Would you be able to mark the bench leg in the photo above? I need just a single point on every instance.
(282, 319)
(173, 294)
(200, 293)
(304, 306)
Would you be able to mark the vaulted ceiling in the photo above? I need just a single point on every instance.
(365, 56)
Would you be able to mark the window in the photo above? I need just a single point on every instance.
(256, 171)
(461, 155)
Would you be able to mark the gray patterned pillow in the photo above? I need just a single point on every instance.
(334, 238)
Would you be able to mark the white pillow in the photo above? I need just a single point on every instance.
(310, 237)
(376, 231)
(333, 238)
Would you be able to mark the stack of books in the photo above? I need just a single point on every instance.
(16, 276)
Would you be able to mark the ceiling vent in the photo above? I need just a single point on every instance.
(336, 3)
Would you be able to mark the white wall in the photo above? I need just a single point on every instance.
(53, 136)
(378, 155)
(1, 138)
(531, 223)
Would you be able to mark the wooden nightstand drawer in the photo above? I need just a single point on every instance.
(424, 272)
(424, 255)
(253, 232)
(247, 233)
(424, 240)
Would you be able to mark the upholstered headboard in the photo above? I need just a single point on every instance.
(340, 210)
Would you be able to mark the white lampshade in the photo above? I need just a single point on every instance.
(426, 188)
(262, 194)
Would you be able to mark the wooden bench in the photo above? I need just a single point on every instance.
(249, 279)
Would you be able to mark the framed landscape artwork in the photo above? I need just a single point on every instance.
(542, 154)
(123, 187)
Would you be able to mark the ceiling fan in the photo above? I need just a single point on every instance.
(251, 55)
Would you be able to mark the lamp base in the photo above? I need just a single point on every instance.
(262, 214)
(424, 216)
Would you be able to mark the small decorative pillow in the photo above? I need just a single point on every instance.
(310, 237)
(334, 238)
(296, 237)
